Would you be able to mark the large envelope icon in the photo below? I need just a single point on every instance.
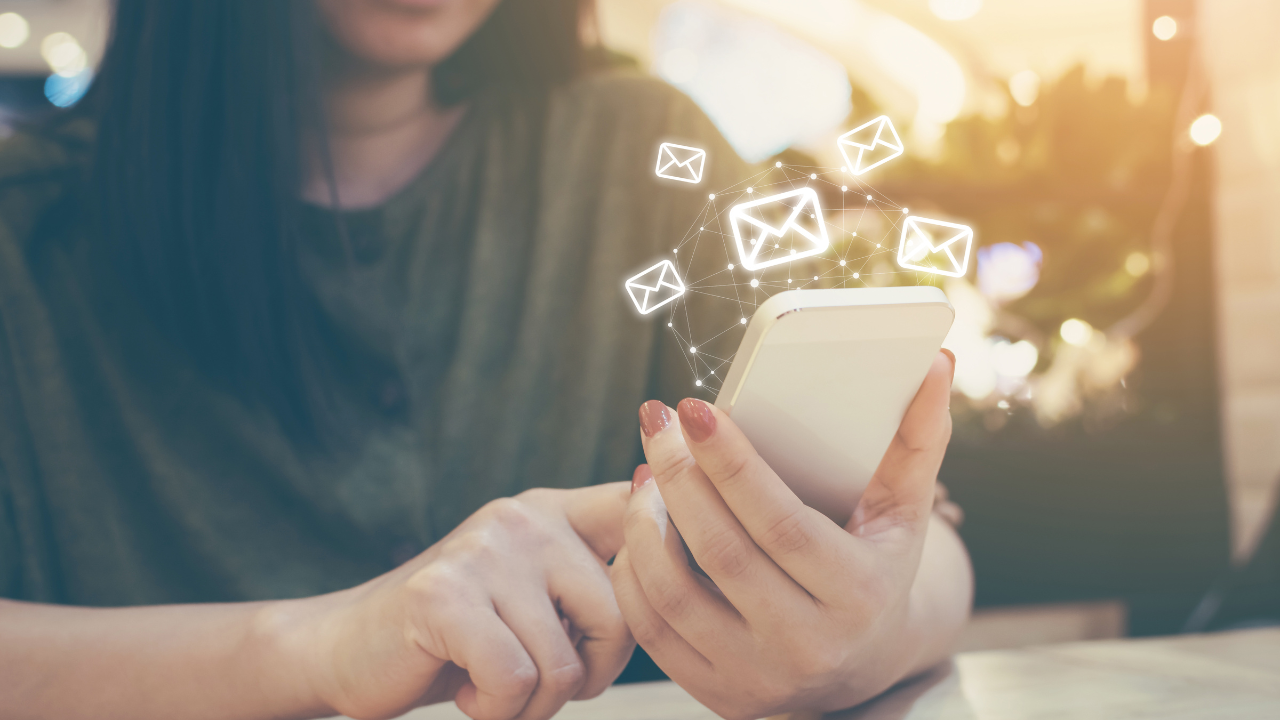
(779, 228)
(655, 287)
(681, 162)
(870, 145)
(934, 246)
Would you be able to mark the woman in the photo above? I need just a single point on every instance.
(292, 302)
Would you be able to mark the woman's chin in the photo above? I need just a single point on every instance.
(403, 33)
(419, 4)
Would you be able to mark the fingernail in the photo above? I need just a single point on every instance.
(952, 356)
(697, 419)
(653, 418)
(641, 476)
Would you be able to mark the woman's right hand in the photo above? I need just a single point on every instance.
(511, 615)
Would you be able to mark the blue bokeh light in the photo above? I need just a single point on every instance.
(66, 91)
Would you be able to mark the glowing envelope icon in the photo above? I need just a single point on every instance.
(762, 226)
(870, 145)
(934, 246)
(681, 162)
(655, 287)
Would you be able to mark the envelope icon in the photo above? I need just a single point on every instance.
(655, 287)
(681, 162)
(934, 246)
(870, 145)
(779, 228)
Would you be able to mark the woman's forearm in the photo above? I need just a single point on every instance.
(941, 597)
(224, 661)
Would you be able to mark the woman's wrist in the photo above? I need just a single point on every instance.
(285, 639)
(940, 599)
(922, 632)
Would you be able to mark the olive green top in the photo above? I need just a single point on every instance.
(498, 351)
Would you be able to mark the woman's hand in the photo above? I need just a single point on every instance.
(511, 615)
(803, 614)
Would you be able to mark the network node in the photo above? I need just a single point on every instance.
(751, 190)
(904, 209)
(844, 168)
(778, 164)
(668, 324)
(855, 276)
(730, 266)
(788, 281)
(698, 383)
(841, 263)
(844, 188)
(869, 199)
(755, 282)
(744, 321)
(712, 196)
(814, 176)
(693, 350)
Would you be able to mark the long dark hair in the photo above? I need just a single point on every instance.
(199, 107)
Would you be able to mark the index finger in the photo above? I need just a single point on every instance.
(801, 540)
(715, 537)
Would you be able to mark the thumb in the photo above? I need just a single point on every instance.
(596, 513)
(900, 494)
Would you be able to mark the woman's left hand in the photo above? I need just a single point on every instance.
(803, 614)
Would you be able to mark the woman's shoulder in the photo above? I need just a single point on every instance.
(640, 104)
(625, 88)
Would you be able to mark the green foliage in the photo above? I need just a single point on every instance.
(1080, 173)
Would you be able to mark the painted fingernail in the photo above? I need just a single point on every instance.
(697, 419)
(641, 476)
(653, 418)
(952, 356)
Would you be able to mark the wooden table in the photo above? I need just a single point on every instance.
(1226, 676)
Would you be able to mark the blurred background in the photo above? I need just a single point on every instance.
(1117, 404)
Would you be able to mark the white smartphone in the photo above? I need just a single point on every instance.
(823, 378)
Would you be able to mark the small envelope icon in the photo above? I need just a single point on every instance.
(655, 287)
(761, 227)
(935, 246)
(870, 145)
(681, 162)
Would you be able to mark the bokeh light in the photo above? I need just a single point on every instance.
(1076, 332)
(64, 54)
(1205, 130)
(1025, 87)
(14, 30)
(955, 9)
(916, 61)
(1014, 360)
(1007, 271)
(765, 89)
(65, 91)
(1164, 28)
(1137, 264)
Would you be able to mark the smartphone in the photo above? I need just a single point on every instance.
(823, 378)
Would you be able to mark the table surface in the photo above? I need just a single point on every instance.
(1224, 676)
